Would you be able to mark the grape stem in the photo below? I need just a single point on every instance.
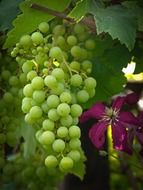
(88, 21)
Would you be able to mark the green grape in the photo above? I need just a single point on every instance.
(36, 112)
(37, 38)
(47, 138)
(53, 115)
(76, 80)
(56, 53)
(58, 90)
(82, 96)
(66, 121)
(45, 107)
(75, 65)
(87, 66)
(78, 29)
(74, 155)
(28, 90)
(66, 97)
(76, 51)
(76, 110)
(23, 78)
(71, 40)
(31, 75)
(62, 132)
(28, 119)
(39, 96)
(59, 30)
(89, 44)
(66, 163)
(48, 125)
(63, 109)
(74, 132)
(6, 74)
(58, 73)
(37, 83)
(90, 83)
(8, 97)
(41, 172)
(53, 101)
(51, 161)
(27, 66)
(25, 41)
(13, 81)
(60, 41)
(43, 27)
(26, 106)
(75, 143)
(50, 81)
(58, 145)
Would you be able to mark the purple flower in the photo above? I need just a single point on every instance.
(136, 132)
(114, 116)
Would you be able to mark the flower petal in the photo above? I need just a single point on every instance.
(118, 102)
(120, 138)
(129, 118)
(95, 112)
(97, 134)
(132, 98)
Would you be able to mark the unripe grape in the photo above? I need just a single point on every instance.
(58, 145)
(47, 138)
(62, 132)
(63, 109)
(51, 161)
(76, 51)
(31, 75)
(43, 27)
(90, 83)
(37, 38)
(13, 80)
(66, 121)
(71, 40)
(76, 110)
(59, 30)
(89, 44)
(8, 98)
(39, 96)
(58, 73)
(37, 83)
(82, 96)
(48, 125)
(36, 112)
(76, 80)
(27, 66)
(53, 115)
(28, 90)
(53, 101)
(75, 65)
(75, 143)
(56, 53)
(78, 29)
(74, 132)
(59, 89)
(66, 97)
(50, 81)
(74, 155)
(5, 74)
(66, 163)
(25, 41)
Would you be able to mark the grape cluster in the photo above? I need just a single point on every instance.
(57, 67)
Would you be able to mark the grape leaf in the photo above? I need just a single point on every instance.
(119, 22)
(28, 21)
(8, 11)
(28, 133)
(137, 10)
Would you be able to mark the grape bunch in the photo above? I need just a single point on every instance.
(57, 67)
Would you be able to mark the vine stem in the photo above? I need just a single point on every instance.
(88, 21)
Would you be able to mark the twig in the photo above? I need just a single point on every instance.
(88, 21)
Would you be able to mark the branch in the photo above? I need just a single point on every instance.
(89, 22)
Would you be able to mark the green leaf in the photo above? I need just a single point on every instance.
(79, 168)
(29, 20)
(28, 134)
(137, 10)
(8, 12)
(119, 22)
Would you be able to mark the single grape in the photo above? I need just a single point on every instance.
(8, 97)
(76, 51)
(51, 161)
(37, 38)
(53, 115)
(47, 138)
(5, 74)
(59, 30)
(78, 29)
(13, 81)
(27, 66)
(56, 53)
(76, 110)
(53, 101)
(89, 44)
(45, 107)
(74, 155)
(48, 125)
(74, 132)
(66, 163)
(90, 83)
(82, 96)
(75, 65)
(25, 41)
(36, 112)
(66, 97)
(66, 121)
(39, 96)
(58, 73)
(26, 106)
(50, 81)
(37, 83)
(59, 89)
(28, 90)
(43, 27)
(76, 80)
(71, 40)
(75, 143)
(31, 75)
(28, 119)
(58, 145)
(62, 132)
(63, 109)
